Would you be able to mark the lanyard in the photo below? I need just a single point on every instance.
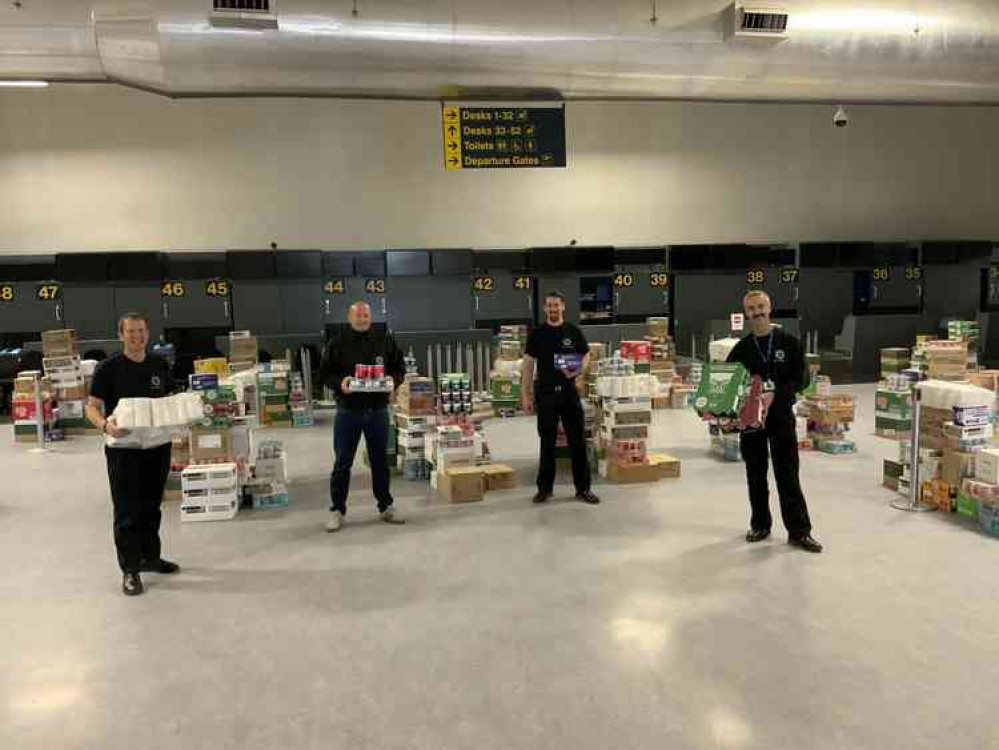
(770, 348)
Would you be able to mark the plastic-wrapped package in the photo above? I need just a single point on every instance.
(753, 413)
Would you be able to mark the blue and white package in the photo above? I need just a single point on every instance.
(569, 364)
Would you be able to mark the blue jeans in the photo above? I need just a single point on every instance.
(350, 424)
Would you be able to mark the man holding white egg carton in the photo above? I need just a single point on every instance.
(128, 404)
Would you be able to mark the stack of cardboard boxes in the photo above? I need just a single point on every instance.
(894, 360)
(24, 407)
(274, 386)
(955, 429)
(969, 332)
(462, 470)
(209, 492)
(299, 403)
(456, 445)
(243, 351)
(504, 378)
(893, 410)
(947, 360)
(267, 488)
(415, 417)
(978, 498)
(61, 362)
(228, 443)
(829, 419)
(625, 419)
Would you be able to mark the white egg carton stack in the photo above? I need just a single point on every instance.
(209, 492)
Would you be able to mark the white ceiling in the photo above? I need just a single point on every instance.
(944, 51)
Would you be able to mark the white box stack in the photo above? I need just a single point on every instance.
(624, 430)
(209, 492)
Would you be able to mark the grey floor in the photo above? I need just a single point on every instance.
(645, 622)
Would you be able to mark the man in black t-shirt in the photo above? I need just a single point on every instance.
(776, 357)
(561, 353)
(137, 475)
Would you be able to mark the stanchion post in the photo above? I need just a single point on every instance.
(914, 505)
(39, 419)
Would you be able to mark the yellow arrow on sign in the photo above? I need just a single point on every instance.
(451, 127)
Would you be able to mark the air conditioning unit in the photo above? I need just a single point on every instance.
(755, 22)
(244, 14)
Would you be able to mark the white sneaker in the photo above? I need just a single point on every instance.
(335, 522)
(391, 515)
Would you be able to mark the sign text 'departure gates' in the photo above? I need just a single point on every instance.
(503, 137)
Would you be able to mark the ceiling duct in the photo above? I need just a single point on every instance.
(244, 14)
(755, 22)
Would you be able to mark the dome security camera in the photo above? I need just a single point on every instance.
(841, 119)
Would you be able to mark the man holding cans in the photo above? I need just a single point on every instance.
(562, 354)
(363, 366)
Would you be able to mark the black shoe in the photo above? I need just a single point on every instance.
(757, 535)
(542, 497)
(160, 566)
(588, 498)
(131, 584)
(805, 542)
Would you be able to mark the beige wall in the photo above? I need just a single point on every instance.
(101, 167)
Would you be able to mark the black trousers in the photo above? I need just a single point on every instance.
(137, 479)
(552, 405)
(780, 438)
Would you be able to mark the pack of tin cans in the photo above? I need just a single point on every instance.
(455, 391)
(369, 372)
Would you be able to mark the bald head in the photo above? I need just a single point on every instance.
(359, 316)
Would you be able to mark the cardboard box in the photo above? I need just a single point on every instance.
(893, 469)
(499, 477)
(987, 466)
(75, 393)
(505, 389)
(967, 505)
(417, 396)
(668, 466)
(985, 379)
(461, 484)
(61, 343)
(210, 444)
(957, 467)
(632, 473)
(215, 365)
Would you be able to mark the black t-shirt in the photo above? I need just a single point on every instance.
(546, 342)
(119, 377)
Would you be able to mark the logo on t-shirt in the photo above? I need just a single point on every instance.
(567, 343)
(155, 383)
(779, 355)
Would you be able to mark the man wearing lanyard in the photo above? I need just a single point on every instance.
(561, 351)
(777, 358)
